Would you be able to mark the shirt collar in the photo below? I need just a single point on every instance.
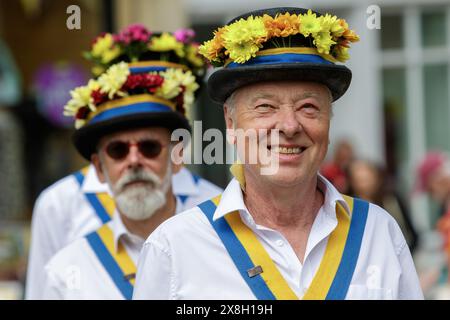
(119, 230)
(232, 199)
(332, 196)
(91, 184)
(185, 183)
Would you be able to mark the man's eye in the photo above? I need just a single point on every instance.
(264, 106)
(309, 107)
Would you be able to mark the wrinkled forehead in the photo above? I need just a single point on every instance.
(284, 91)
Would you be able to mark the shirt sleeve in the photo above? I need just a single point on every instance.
(409, 286)
(47, 237)
(154, 279)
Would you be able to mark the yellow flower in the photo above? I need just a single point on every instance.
(105, 49)
(323, 42)
(282, 25)
(110, 54)
(81, 97)
(97, 70)
(193, 57)
(174, 80)
(102, 44)
(340, 53)
(309, 24)
(243, 38)
(332, 24)
(113, 79)
(79, 123)
(166, 42)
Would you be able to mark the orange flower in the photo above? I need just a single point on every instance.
(212, 49)
(283, 25)
(350, 35)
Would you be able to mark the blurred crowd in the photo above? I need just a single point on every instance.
(370, 181)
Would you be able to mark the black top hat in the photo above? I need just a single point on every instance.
(279, 44)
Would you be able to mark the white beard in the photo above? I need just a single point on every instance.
(141, 201)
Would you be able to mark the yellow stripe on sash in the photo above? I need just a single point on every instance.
(121, 256)
(107, 202)
(324, 277)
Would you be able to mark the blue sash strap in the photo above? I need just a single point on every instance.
(93, 200)
(110, 265)
(237, 252)
(344, 274)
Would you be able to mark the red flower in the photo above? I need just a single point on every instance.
(82, 113)
(152, 80)
(98, 97)
(133, 81)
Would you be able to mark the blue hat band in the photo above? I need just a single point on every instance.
(132, 105)
(285, 55)
(153, 66)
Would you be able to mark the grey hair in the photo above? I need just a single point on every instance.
(230, 104)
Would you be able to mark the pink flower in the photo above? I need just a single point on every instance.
(134, 32)
(184, 35)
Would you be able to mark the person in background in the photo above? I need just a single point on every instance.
(80, 203)
(336, 170)
(433, 178)
(368, 181)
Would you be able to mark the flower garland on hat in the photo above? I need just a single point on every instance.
(241, 40)
(135, 42)
(173, 85)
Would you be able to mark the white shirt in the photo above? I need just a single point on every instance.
(185, 259)
(75, 272)
(63, 214)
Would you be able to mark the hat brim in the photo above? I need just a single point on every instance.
(87, 137)
(223, 82)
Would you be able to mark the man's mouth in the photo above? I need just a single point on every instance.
(287, 149)
(136, 183)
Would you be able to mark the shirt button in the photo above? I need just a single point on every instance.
(280, 243)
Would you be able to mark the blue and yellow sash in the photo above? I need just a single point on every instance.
(335, 272)
(102, 202)
(117, 263)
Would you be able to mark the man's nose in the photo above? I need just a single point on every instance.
(134, 157)
(288, 124)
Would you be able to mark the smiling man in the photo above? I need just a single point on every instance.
(289, 234)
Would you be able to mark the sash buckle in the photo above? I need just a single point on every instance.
(253, 272)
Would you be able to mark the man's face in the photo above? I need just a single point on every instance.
(438, 184)
(136, 165)
(301, 111)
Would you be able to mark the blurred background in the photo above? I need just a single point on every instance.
(396, 110)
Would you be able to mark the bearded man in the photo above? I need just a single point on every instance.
(125, 131)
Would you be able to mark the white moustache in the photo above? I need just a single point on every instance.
(139, 175)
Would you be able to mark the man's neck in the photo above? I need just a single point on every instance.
(288, 210)
(143, 228)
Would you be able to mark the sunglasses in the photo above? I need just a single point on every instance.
(118, 150)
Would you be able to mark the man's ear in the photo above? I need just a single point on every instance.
(231, 137)
(176, 168)
(95, 160)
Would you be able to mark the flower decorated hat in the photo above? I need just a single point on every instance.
(278, 44)
(143, 79)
